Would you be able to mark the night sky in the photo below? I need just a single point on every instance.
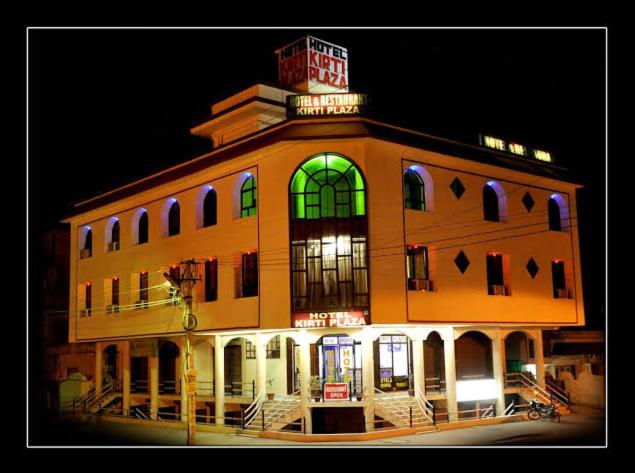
(109, 106)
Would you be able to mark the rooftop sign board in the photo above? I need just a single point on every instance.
(324, 105)
(313, 65)
(515, 148)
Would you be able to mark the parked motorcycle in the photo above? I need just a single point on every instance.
(538, 410)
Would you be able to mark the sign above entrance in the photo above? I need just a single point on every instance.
(336, 392)
(326, 105)
(330, 319)
(313, 65)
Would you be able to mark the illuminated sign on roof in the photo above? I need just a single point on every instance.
(515, 148)
(313, 65)
(326, 105)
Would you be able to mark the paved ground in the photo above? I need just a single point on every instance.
(584, 428)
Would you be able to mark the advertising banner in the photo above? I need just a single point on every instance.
(336, 392)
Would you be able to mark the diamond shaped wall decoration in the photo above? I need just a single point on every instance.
(532, 268)
(457, 187)
(461, 262)
(528, 202)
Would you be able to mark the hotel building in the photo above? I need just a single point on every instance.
(351, 275)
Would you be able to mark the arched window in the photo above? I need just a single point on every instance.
(328, 235)
(327, 186)
(143, 228)
(209, 208)
(490, 204)
(114, 236)
(414, 191)
(494, 202)
(174, 219)
(558, 213)
(248, 197)
(86, 243)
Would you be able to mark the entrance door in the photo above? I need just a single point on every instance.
(233, 370)
(394, 362)
(293, 366)
(340, 360)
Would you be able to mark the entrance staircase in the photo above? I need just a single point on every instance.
(277, 413)
(396, 408)
(530, 390)
(91, 403)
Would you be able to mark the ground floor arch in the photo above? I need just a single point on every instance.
(434, 363)
(169, 356)
(239, 381)
(393, 362)
(473, 354)
(111, 360)
(337, 358)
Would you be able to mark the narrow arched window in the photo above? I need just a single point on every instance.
(414, 191)
(88, 245)
(555, 222)
(490, 204)
(87, 250)
(114, 235)
(174, 219)
(143, 228)
(209, 208)
(248, 197)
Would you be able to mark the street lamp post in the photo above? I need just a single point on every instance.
(183, 289)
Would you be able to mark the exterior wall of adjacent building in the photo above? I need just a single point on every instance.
(451, 225)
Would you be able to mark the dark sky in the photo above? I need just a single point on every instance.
(109, 106)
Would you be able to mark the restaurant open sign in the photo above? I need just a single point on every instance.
(330, 319)
(336, 392)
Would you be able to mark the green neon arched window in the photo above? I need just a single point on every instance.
(248, 197)
(326, 186)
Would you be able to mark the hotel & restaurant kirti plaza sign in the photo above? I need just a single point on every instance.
(324, 105)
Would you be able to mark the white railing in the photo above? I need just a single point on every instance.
(424, 405)
(547, 396)
(489, 412)
(254, 408)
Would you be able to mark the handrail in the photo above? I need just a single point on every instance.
(424, 405)
(533, 385)
(509, 410)
(489, 412)
(253, 409)
(552, 386)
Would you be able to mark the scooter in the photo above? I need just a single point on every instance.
(538, 410)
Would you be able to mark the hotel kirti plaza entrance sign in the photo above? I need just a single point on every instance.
(330, 319)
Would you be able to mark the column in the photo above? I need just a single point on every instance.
(305, 380)
(368, 380)
(450, 375)
(219, 380)
(99, 366)
(539, 358)
(261, 364)
(498, 358)
(418, 366)
(125, 354)
(153, 361)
